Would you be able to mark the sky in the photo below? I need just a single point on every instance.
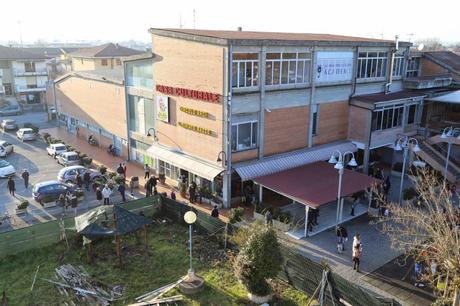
(117, 20)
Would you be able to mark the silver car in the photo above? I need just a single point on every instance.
(68, 159)
(5, 148)
(9, 124)
(69, 174)
(11, 110)
(25, 134)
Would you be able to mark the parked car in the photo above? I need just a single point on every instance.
(11, 110)
(68, 159)
(9, 124)
(5, 148)
(68, 174)
(56, 149)
(26, 134)
(51, 190)
(6, 169)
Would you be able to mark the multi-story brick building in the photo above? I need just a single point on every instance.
(107, 56)
(23, 74)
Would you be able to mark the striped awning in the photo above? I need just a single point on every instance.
(289, 160)
(184, 161)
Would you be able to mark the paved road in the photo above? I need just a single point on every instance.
(33, 157)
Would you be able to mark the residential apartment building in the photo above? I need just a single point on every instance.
(107, 56)
(249, 99)
(23, 75)
(93, 103)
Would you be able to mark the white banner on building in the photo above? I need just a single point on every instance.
(334, 67)
(163, 108)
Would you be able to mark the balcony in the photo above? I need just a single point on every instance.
(23, 89)
(19, 73)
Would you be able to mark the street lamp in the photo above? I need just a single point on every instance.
(403, 143)
(222, 157)
(339, 165)
(154, 134)
(448, 133)
(190, 218)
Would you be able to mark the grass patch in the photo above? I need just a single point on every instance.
(164, 262)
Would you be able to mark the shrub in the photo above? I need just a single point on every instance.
(409, 194)
(55, 140)
(23, 204)
(236, 214)
(86, 161)
(69, 148)
(46, 137)
(103, 169)
(118, 179)
(111, 175)
(79, 193)
(260, 258)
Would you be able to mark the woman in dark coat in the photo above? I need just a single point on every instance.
(99, 194)
(11, 186)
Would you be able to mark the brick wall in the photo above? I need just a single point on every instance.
(80, 64)
(430, 68)
(195, 66)
(244, 155)
(332, 122)
(358, 123)
(285, 130)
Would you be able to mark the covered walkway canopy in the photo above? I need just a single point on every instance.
(315, 184)
(450, 97)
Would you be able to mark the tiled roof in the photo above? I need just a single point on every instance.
(447, 59)
(49, 52)
(252, 35)
(106, 50)
(8, 53)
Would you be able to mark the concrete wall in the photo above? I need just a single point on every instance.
(195, 66)
(101, 104)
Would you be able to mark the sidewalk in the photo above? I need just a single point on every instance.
(101, 157)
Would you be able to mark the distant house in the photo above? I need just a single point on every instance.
(107, 56)
(23, 74)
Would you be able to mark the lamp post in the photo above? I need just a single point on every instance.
(448, 133)
(190, 218)
(339, 165)
(403, 143)
(222, 157)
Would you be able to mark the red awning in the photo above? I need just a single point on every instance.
(315, 184)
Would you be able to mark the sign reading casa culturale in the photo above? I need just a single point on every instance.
(194, 112)
(195, 128)
(189, 93)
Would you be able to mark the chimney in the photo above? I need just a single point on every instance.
(239, 29)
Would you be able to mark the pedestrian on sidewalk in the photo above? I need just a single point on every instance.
(152, 184)
(79, 180)
(25, 176)
(120, 170)
(11, 186)
(122, 189)
(87, 179)
(99, 194)
(106, 193)
(148, 188)
(342, 237)
(357, 251)
(356, 240)
(146, 171)
(215, 212)
(353, 205)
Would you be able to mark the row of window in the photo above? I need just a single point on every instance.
(294, 68)
(392, 116)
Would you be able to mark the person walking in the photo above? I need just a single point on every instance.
(342, 237)
(353, 205)
(215, 212)
(152, 183)
(122, 189)
(120, 170)
(356, 240)
(148, 188)
(79, 180)
(11, 186)
(106, 193)
(25, 176)
(87, 179)
(146, 171)
(356, 255)
(99, 194)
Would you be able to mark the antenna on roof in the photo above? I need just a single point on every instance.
(194, 17)
(180, 20)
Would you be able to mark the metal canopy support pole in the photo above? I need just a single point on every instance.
(261, 191)
(342, 200)
(307, 209)
(406, 151)
(339, 192)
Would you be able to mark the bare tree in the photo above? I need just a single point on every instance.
(428, 230)
(431, 44)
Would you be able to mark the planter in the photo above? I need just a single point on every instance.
(259, 299)
(22, 211)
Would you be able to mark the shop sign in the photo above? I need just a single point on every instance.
(189, 93)
(195, 128)
(163, 108)
(334, 67)
(194, 112)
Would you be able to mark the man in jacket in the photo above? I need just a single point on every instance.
(25, 177)
(106, 193)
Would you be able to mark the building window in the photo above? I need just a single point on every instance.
(8, 89)
(29, 67)
(314, 128)
(141, 114)
(398, 65)
(413, 67)
(244, 136)
(412, 114)
(387, 117)
(245, 70)
(372, 65)
(140, 74)
(118, 61)
(169, 170)
(287, 68)
(104, 62)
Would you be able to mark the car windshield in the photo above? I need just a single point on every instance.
(4, 163)
(28, 132)
(9, 121)
(72, 157)
(59, 148)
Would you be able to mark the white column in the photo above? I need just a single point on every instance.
(226, 192)
(342, 200)
(307, 208)
(261, 191)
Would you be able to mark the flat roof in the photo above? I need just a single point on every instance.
(369, 100)
(450, 97)
(315, 184)
(267, 36)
